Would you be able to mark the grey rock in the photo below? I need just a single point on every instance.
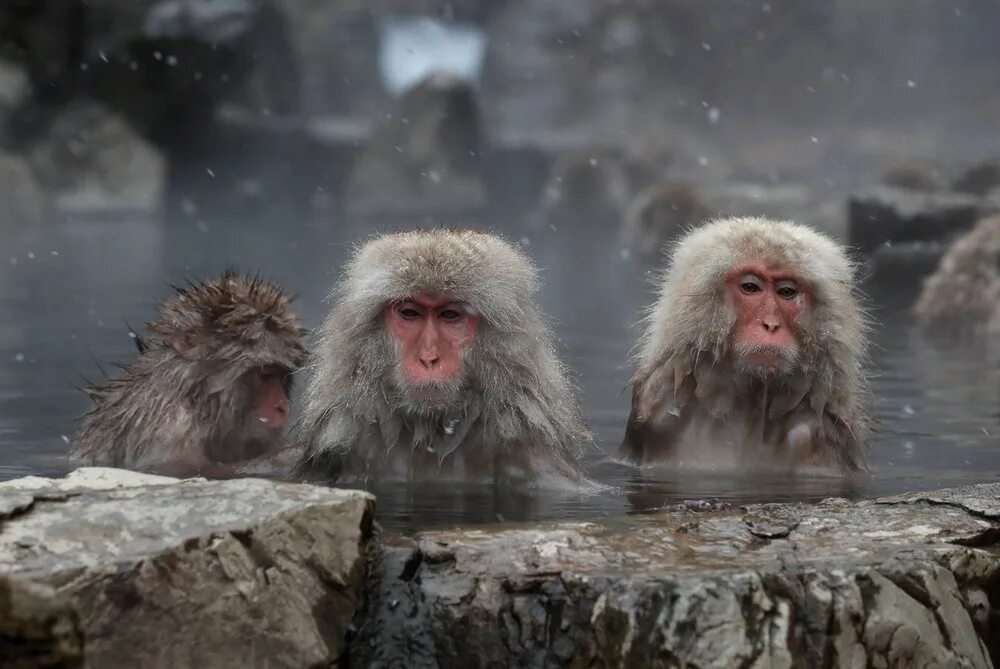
(578, 67)
(887, 215)
(901, 582)
(209, 21)
(900, 265)
(90, 159)
(982, 499)
(23, 202)
(15, 89)
(534, 64)
(336, 49)
(38, 627)
(85, 478)
(159, 63)
(789, 202)
(981, 179)
(243, 573)
(425, 156)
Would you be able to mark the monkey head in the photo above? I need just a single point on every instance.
(239, 342)
(660, 214)
(766, 296)
(420, 307)
(435, 361)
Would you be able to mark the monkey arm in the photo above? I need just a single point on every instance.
(823, 441)
(841, 444)
(649, 437)
(631, 448)
(271, 465)
(317, 466)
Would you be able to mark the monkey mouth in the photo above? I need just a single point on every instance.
(431, 392)
(763, 360)
(432, 395)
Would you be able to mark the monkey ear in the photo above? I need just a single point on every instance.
(181, 342)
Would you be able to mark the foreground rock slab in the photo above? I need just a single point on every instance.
(911, 581)
(245, 573)
(87, 479)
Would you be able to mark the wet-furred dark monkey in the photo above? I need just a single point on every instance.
(752, 354)
(435, 363)
(208, 394)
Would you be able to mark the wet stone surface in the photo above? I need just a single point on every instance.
(904, 581)
(245, 573)
(106, 568)
(981, 500)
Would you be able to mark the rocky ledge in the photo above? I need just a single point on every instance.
(123, 570)
(254, 573)
(909, 581)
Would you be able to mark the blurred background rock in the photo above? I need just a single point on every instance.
(301, 103)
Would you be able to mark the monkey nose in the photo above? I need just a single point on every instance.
(281, 408)
(429, 359)
(771, 326)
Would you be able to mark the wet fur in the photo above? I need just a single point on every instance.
(517, 418)
(175, 413)
(963, 293)
(689, 396)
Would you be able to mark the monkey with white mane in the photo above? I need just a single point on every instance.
(752, 354)
(435, 363)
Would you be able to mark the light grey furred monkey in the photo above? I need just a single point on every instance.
(435, 363)
(752, 355)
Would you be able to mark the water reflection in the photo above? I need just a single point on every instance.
(68, 289)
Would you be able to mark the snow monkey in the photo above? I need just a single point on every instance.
(208, 394)
(752, 354)
(660, 214)
(435, 363)
(963, 293)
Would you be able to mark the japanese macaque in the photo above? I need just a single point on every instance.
(208, 394)
(585, 187)
(751, 356)
(426, 154)
(660, 214)
(435, 363)
(963, 293)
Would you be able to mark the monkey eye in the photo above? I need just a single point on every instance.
(787, 289)
(408, 312)
(749, 284)
(450, 315)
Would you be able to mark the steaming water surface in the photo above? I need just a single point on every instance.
(68, 289)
